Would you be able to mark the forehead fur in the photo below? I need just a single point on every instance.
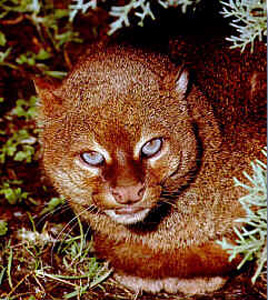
(120, 92)
(115, 76)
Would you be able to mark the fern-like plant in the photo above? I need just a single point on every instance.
(140, 8)
(249, 18)
(252, 238)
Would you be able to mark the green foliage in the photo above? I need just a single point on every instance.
(140, 8)
(12, 192)
(25, 108)
(3, 228)
(45, 17)
(22, 6)
(2, 39)
(4, 55)
(3, 59)
(52, 204)
(79, 5)
(249, 18)
(78, 269)
(80, 265)
(32, 59)
(51, 26)
(252, 238)
(55, 74)
(19, 146)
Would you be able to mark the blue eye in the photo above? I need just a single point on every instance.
(152, 147)
(92, 158)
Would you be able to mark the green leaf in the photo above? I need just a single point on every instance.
(31, 61)
(4, 55)
(2, 274)
(2, 39)
(56, 74)
(27, 58)
(25, 108)
(42, 55)
(52, 204)
(25, 154)
(12, 194)
(11, 150)
(3, 14)
(19, 111)
(61, 13)
(2, 158)
(21, 59)
(3, 228)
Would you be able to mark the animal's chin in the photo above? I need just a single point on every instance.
(128, 216)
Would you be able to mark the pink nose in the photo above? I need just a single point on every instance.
(128, 194)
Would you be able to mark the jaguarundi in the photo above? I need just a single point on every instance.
(136, 149)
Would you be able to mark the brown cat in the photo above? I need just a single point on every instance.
(138, 153)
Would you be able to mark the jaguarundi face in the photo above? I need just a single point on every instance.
(117, 135)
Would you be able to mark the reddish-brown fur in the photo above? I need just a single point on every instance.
(183, 263)
(118, 98)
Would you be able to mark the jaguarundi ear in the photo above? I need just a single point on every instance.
(177, 79)
(50, 105)
(182, 80)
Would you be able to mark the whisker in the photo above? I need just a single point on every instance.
(168, 198)
(167, 201)
(170, 194)
(90, 208)
(62, 207)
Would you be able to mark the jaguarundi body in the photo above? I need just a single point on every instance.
(139, 154)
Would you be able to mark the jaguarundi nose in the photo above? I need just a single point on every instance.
(128, 194)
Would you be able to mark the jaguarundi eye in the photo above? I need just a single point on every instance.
(92, 158)
(152, 147)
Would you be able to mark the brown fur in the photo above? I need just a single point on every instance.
(114, 98)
